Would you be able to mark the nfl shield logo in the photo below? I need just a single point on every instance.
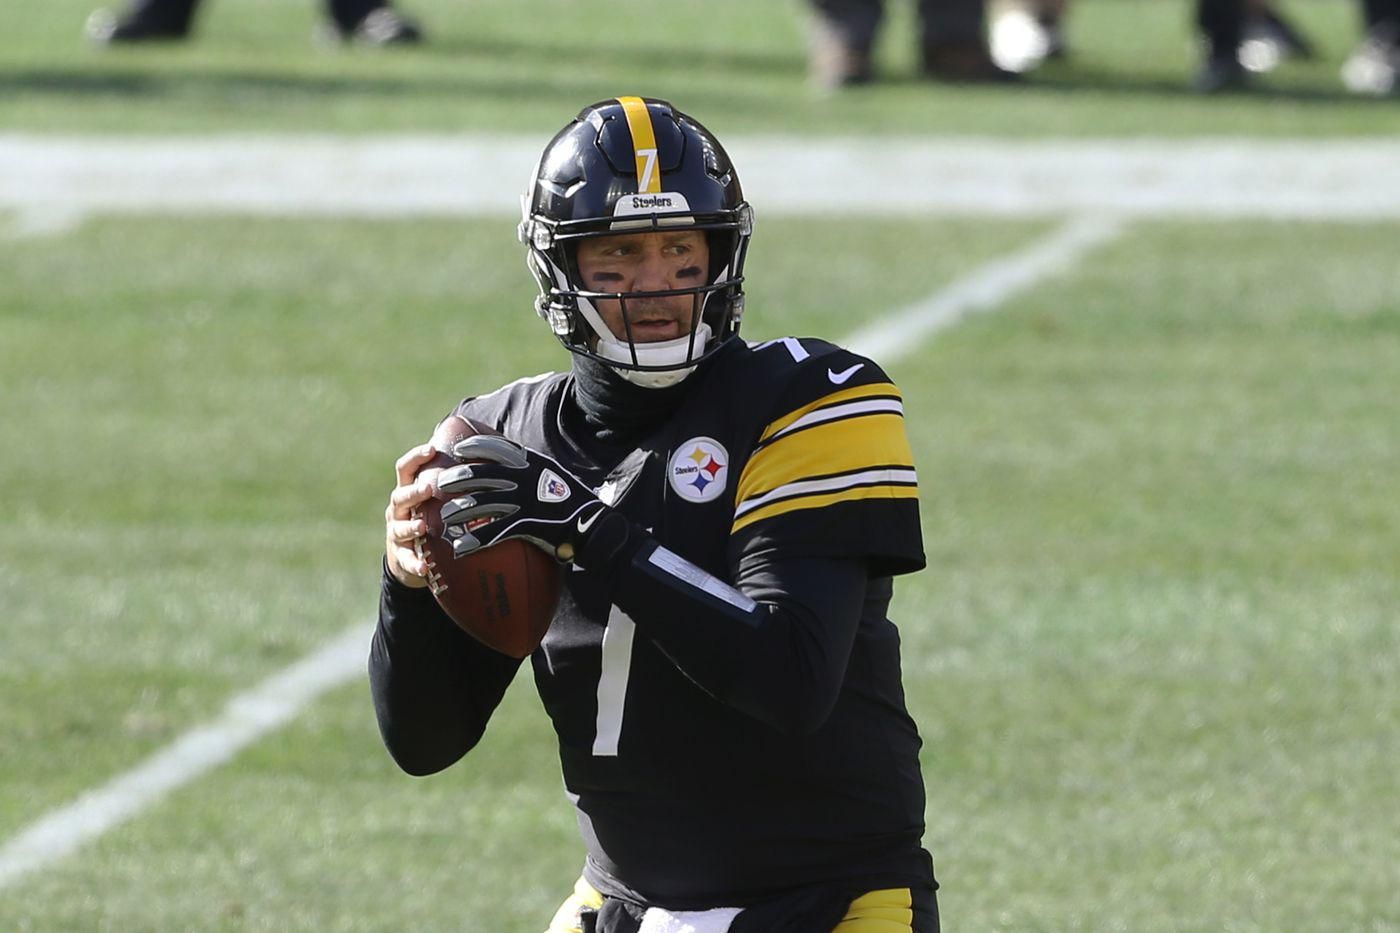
(552, 487)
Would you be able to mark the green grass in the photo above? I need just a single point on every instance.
(1153, 656)
(499, 65)
(1165, 652)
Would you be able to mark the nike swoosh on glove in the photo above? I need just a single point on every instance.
(508, 491)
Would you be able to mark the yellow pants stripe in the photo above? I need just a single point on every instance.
(566, 919)
(889, 910)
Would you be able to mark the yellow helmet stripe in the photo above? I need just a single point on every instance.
(643, 144)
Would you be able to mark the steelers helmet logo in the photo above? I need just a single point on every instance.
(699, 469)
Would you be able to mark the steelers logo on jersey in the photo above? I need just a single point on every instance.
(699, 469)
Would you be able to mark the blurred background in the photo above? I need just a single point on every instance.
(1138, 279)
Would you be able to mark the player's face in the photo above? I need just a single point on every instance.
(646, 262)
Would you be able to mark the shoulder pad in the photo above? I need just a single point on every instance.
(495, 408)
(808, 369)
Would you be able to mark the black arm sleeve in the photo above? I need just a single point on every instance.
(434, 686)
(779, 656)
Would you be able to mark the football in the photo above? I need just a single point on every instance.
(504, 596)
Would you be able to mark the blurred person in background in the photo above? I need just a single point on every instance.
(1025, 33)
(372, 22)
(951, 42)
(1221, 24)
(1374, 68)
(1249, 36)
(1241, 36)
(1270, 39)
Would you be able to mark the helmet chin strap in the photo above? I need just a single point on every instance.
(660, 353)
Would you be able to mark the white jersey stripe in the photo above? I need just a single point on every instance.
(902, 476)
(865, 407)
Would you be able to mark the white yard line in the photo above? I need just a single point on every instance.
(985, 289)
(406, 175)
(247, 718)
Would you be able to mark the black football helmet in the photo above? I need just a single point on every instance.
(634, 165)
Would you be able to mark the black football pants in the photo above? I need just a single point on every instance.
(177, 14)
(1222, 21)
(941, 22)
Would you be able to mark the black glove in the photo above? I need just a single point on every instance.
(510, 491)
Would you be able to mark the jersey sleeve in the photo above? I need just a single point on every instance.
(832, 473)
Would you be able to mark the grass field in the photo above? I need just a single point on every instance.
(1155, 654)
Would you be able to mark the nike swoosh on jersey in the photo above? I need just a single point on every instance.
(843, 375)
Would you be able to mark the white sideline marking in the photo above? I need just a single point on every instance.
(477, 174)
(46, 221)
(986, 288)
(246, 718)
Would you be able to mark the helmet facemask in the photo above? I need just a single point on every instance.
(635, 166)
(716, 305)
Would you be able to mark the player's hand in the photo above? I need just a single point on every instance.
(510, 491)
(401, 529)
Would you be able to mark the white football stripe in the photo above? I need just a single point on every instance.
(898, 475)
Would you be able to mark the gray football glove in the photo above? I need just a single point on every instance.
(509, 491)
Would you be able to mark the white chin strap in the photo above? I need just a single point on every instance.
(662, 353)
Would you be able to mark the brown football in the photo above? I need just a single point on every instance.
(504, 596)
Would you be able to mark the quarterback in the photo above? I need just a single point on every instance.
(721, 674)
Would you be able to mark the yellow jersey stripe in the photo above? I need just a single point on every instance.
(826, 449)
(874, 390)
(817, 502)
(890, 910)
(643, 144)
(838, 412)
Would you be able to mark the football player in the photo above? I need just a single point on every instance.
(721, 674)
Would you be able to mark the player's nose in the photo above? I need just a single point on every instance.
(653, 272)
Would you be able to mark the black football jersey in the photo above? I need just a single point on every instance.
(792, 447)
